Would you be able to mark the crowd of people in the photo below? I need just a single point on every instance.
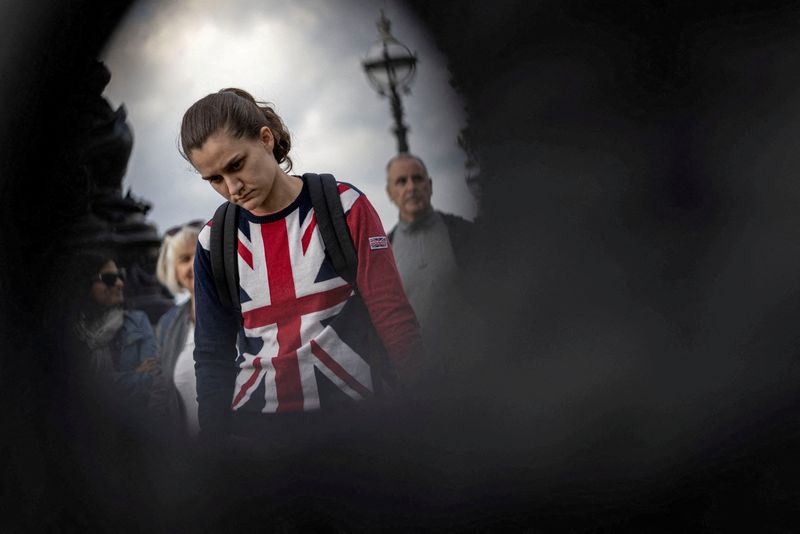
(300, 336)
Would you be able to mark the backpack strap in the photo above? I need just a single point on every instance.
(332, 225)
(230, 253)
(339, 246)
(336, 210)
(217, 262)
(223, 254)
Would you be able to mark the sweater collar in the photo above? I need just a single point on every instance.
(423, 221)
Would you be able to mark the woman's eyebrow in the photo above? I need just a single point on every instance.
(230, 161)
(233, 159)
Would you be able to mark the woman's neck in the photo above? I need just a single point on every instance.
(284, 191)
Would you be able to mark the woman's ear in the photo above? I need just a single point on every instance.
(267, 138)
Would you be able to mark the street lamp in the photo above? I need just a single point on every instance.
(390, 66)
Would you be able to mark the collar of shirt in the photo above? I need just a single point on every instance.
(425, 220)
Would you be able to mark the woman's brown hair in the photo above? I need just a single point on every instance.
(239, 114)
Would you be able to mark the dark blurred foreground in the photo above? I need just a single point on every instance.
(639, 277)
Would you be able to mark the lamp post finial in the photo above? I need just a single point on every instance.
(384, 27)
(389, 66)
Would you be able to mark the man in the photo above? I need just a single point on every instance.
(432, 252)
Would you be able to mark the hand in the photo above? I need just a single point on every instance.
(149, 365)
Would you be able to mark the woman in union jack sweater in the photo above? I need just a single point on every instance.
(301, 341)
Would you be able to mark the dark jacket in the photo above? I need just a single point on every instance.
(171, 333)
(136, 343)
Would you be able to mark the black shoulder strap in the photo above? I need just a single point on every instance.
(338, 242)
(223, 254)
(230, 254)
(340, 227)
(332, 225)
(217, 261)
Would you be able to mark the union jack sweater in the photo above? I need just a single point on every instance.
(302, 335)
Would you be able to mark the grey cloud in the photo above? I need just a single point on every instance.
(307, 62)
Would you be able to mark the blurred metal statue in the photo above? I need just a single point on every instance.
(109, 220)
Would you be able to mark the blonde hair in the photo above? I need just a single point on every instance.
(165, 268)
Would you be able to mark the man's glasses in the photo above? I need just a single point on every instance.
(196, 224)
(110, 279)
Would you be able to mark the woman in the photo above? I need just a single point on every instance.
(175, 329)
(118, 346)
(301, 329)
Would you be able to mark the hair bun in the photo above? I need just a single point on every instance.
(239, 92)
(242, 116)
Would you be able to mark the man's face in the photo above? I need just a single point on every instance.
(410, 188)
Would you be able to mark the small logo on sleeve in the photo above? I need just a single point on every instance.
(379, 242)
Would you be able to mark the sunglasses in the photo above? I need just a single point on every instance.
(196, 224)
(110, 279)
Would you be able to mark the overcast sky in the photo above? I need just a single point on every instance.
(304, 57)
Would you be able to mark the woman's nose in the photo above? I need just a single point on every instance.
(233, 184)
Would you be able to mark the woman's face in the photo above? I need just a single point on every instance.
(241, 170)
(184, 265)
(104, 294)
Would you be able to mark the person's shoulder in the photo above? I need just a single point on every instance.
(451, 219)
(137, 317)
(136, 323)
(348, 194)
(169, 317)
(462, 234)
(348, 188)
(343, 186)
(204, 237)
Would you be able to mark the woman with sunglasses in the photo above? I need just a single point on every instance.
(177, 392)
(119, 353)
(300, 342)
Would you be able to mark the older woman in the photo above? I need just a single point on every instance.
(175, 330)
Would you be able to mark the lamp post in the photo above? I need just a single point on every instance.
(390, 68)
